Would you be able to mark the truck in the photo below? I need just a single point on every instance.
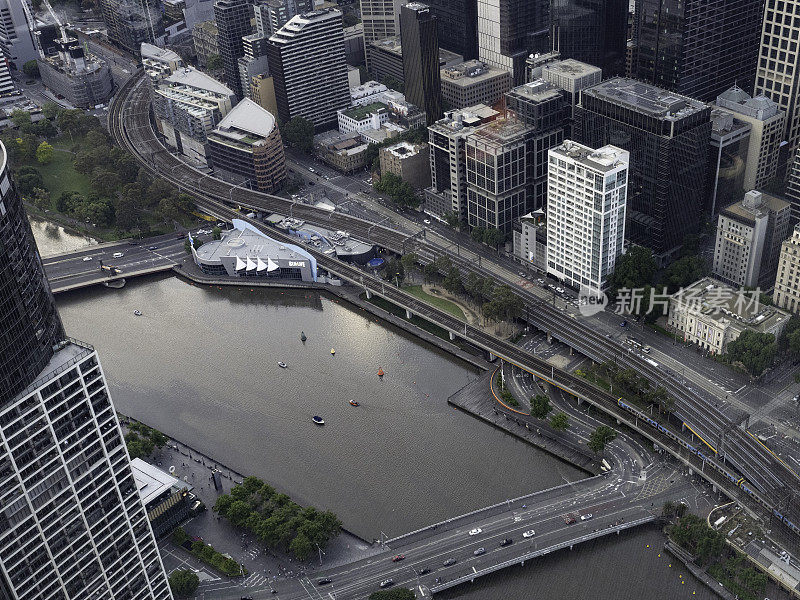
(110, 269)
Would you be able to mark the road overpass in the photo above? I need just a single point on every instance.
(729, 443)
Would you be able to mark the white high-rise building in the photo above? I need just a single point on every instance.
(586, 199)
(381, 18)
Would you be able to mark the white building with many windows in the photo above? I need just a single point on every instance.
(586, 199)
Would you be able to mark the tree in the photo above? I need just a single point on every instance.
(600, 437)
(756, 351)
(216, 233)
(29, 179)
(395, 594)
(299, 133)
(409, 261)
(540, 406)
(213, 62)
(559, 421)
(684, 271)
(634, 269)
(349, 19)
(104, 182)
(21, 118)
(41, 198)
(44, 128)
(50, 110)
(494, 237)
(31, 68)
(452, 281)
(27, 143)
(393, 271)
(183, 583)
(238, 512)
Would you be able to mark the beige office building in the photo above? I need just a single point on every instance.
(787, 283)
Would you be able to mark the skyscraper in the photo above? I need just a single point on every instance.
(16, 33)
(698, 48)
(131, 22)
(509, 30)
(72, 523)
(420, 43)
(667, 137)
(307, 62)
(458, 25)
(586, 198)
(592, 31)
(381, 18)
(233, 23)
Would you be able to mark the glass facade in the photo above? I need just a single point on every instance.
(420, 43)
(592, 31)
(233, 22)
(698, 48)
(29, 324)
(458, 25)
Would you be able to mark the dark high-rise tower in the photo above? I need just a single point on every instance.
(667, 136)
(131, 22)
(29, 324)
(420, 43)
(592, 31)
(233, 22)
(458, 25)
(699, 48)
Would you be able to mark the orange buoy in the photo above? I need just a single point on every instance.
(380, 372)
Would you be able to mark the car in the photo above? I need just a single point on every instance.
(475, 531)
(324, 581)
(506, 542)
(423, 571)
(479, 551)
(559, 290)
(586, 517)
(246, 598)
(221, 225)
(624, 323)
(87, 258)
(540, 281)
(569, 519)
(387, 583)
(398, 557)
(426, 221)
(310, 183)
(521, 273)
(311, 169)
(449, 562)
(152, 247)
(529, 534)
(117, 255)
(646, 349)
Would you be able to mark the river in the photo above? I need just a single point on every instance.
(201, 365)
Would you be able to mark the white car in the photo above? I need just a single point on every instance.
(117, 255)
(475, 531)
(560, 290)
(586, 517)
(529, 534)
(87, 258)
(426, 221)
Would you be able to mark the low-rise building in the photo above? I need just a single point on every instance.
(204, 36)
(84, 80)
(407, 161)
(447, 142)
(365, 92)
(167, 500)
(344, 152)
(749, 237)
(360, 118)
(188, 104)
(244, 251)
(474, 82)
(712, 314)
(787, 282)
(159, 62)
(247, 144)
(530, 240)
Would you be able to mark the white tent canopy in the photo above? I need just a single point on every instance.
(272, 266)
(240, 264)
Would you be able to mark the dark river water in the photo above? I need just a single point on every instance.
(200, 364)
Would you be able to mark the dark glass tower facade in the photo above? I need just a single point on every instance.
(233, 22)
(29, 324)
(592, 31)
(667, 136)
(458, 25)
(699, 48)
(420, 43)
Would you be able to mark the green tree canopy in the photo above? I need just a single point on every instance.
(393, 268)
(754, 350)
(559, 421)
(540, 406)
(600, 437)
(213, 62)
(50, 110)
(634, 269)
(684, 271)
(394, 594)
(31, 68)
(183, 583)
(298, 133)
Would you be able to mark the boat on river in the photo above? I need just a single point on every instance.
(318, 420)
(281, 364)
(303, 337)
(380, 372)
(354, 403)
(333, 351)
(138, 313)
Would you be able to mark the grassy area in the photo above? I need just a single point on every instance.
(440, 303)
(60, 176)
(400, 312)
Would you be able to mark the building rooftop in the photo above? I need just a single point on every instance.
(722, 303)
(403, 149)
(501, 131)
(571, 68)
(359, 113)
(392, 44)
(246, 119)
(737, 100)
(724, 124)
(468, 117)
(471, 72)
(538, 90)
(646, 98)
(197, 79)
(298, 23)
(330, 242)
(755, 204)
(160, 54)
(603, 159)
(152, 482)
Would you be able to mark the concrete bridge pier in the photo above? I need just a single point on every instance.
(369, 294)
(549, 338)
(691, 471)
(408, 314)
(492, 357)
(571, 351)
(452, 336)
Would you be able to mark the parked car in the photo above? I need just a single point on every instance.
(423, 571)
(586, 517)
(117, 255)
(87, 258)
(325, 581)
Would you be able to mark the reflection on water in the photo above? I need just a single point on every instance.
(54, 239)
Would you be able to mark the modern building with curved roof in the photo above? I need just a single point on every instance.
(247, 144)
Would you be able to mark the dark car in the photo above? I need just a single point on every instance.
(506, 542)
(325, 581)
(624, 323)
(449, 562)
(398, 557)
(152, 247)
(569, 520)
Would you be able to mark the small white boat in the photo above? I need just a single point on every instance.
(281, 364)
(318, 420)
(138, 313)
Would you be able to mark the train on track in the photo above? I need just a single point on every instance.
(735, 478)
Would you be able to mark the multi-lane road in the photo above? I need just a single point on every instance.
(130, 123)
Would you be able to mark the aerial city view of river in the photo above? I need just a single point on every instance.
(201, 364)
